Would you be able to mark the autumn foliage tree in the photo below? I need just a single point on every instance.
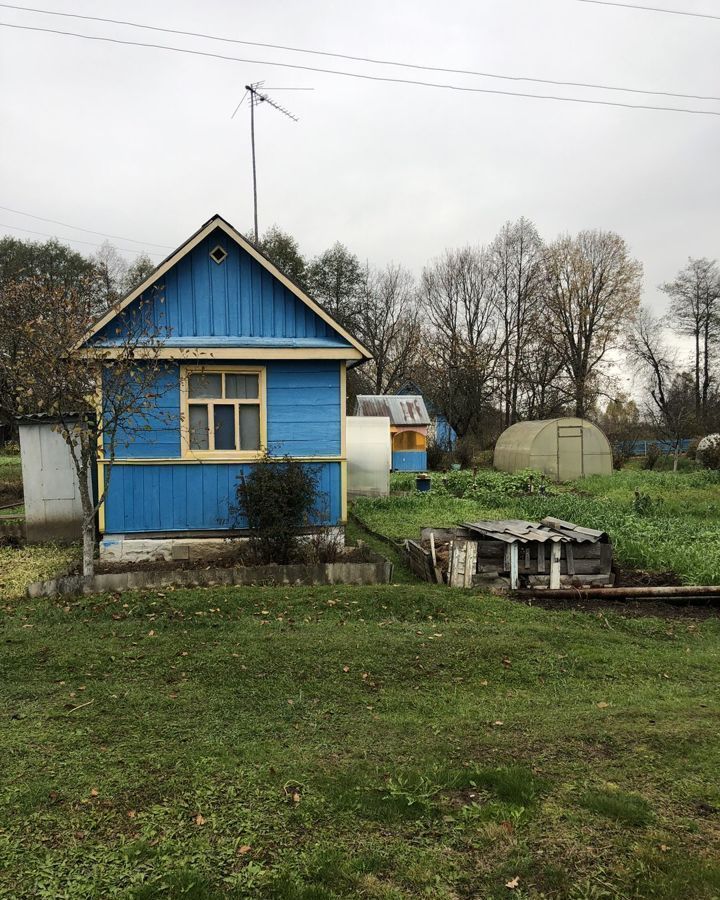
(49, 374)
(592, 294)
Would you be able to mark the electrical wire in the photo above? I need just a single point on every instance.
(363, 59)
(72, 240)
(659, 9)
(114, 237)
(364, 76)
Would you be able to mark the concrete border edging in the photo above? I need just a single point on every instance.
(378, 571)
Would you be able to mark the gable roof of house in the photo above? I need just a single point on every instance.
(249, 247)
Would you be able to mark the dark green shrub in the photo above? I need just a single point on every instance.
(652, 456)
(437, 458)
(277, 499)
(465, 450)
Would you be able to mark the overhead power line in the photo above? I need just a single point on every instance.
(365, 76)
(73, 240)
(362, 59)
(114, 237)
(657, 9)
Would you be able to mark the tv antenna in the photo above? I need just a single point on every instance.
(256, 96)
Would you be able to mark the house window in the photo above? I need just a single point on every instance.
(224, 411)
(219, 254)
(409, 440)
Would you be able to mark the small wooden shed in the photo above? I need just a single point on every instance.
(409, 421)
(514, 553)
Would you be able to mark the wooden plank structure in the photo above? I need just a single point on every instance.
(514, 553)
(421, 562)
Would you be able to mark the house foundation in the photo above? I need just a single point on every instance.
(116, 548)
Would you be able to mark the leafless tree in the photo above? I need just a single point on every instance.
(50, 376)
(669, 406)
(592, 294)
(516, 261)
(111, 271)
(387, 324)
(544, 388)
(463, 347)
(695, 312)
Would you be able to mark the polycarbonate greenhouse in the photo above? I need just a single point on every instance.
(563, 449)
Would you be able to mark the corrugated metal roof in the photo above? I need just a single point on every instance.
(554, 530)
(404, 410)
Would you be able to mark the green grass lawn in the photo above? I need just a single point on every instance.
(676, 528)
(10, 479)
(394, 742)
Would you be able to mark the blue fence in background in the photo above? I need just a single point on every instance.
(640, 448)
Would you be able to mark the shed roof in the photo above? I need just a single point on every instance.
(403, 410)
(554, 530)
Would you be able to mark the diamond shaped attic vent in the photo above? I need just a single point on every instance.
(219, 254)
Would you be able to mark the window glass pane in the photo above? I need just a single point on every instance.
(241, 387)
(198, 427)
(409, 440)
(205, 385)
(249, 427)
(224, 427)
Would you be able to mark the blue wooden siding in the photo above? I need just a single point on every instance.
(303, 407)
(409, 460)
(303, 412)
(238, 303)
(195, 497)
(153, 433)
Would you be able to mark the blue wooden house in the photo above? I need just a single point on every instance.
(253, 364)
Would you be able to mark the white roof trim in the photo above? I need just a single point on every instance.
(189, 245)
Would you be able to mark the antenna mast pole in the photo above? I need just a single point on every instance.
(256, 96)
(251, 91)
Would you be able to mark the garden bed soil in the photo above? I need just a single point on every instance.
(105, 567)
(681, 608)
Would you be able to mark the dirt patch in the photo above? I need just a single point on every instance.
(639, 578)
(680, 608)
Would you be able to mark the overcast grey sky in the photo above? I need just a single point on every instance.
(140, 142)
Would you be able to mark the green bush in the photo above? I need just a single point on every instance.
(652, 457)
(277, 499)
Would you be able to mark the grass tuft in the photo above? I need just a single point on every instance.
(628, 808)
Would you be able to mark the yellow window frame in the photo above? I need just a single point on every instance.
(186, 402)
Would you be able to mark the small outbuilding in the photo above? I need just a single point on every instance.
(563, 449)
(369, 456)
(409, 422)
(53, 510)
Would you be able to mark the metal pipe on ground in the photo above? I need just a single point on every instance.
(685, 591)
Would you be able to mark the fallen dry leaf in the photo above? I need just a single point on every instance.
(246, 848)
(199, 819)
(346, 668)
(513, 883)
(94, 792)
(603, 705)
